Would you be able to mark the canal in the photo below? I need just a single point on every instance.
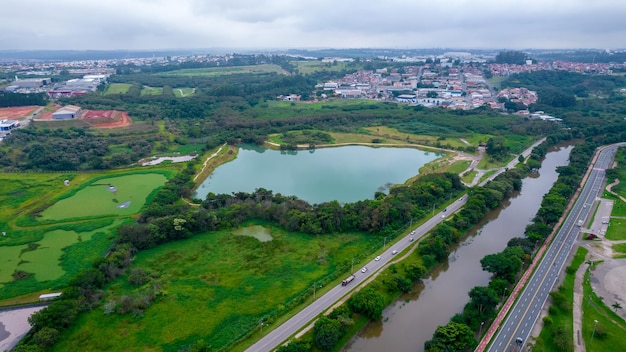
(413, 318)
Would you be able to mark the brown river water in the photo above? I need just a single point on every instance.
(413, 318)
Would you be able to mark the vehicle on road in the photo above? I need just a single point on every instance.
(580, 223)
(443, 216)
(377, 258)
(364, 269)
(347, 280)
(394, 252)
(411, 239)
(445, 210)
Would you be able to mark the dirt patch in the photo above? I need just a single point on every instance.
(15, 113)
(106, 118)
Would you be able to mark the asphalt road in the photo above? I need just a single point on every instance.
(291, 326)
(277, 336)
(519, 323)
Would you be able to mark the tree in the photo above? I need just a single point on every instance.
(295, 346)
(616, 306)
(483, 298)
(368, 302)
(46, 337)
(451, 337)
(432, 94)
(327, 332)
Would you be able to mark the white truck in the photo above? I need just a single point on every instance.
(580, 223)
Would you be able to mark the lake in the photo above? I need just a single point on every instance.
(346, 174)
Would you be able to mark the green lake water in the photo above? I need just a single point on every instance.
(346, 174)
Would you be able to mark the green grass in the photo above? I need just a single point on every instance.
(59, 255)
(561, 319)
(469, 177)
(220, 71)
(117, 88)
(608, 322)
(619, 207)
(486, 175)
(151, 91)
(216, 287)
(616, 230)
(94, 199)
(459, 166)
(184, 92)
(488, 162)
(51, 252)
(306, 67)
(619, 247)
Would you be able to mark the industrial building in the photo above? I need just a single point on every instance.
(27, 84)
(66, 112)
(7, 125)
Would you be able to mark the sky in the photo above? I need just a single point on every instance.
(284, 24)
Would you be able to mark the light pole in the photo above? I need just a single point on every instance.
(480, 332)
(384, 243)
(503, 294)
(595, 322)
(314, 286)
(261, 322)
(433, 210)
(352, 269)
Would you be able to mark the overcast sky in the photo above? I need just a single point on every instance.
(282, 24)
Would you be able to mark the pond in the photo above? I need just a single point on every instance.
(346, 174)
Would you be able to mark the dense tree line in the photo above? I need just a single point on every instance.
(71, 149)
(19, 99)
(511, 57)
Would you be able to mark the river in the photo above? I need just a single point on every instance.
(413, 318)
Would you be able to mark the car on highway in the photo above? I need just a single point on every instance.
(443, 216)
(364, 269)
(377, 258)
(394, 252)
(411, 239)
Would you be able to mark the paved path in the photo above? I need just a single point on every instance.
(577, 312)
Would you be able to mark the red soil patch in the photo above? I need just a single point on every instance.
(15, 113)
(98, 114)
(47, 114)
(106, 118)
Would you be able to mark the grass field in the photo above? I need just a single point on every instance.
(393, 133)
(619, 248)
(43, 256)
(117, 88)
(459, 166)
(610, 327)
(616, 230)
(220, 71)
(151, 91)
(184, 92)
(216, 287)
(469, 177)
(306, 67)
(133, 188)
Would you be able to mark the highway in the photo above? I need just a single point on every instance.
(277, 336)
(516, 328)
(291, 326)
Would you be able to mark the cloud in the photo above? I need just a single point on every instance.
(159, 24)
